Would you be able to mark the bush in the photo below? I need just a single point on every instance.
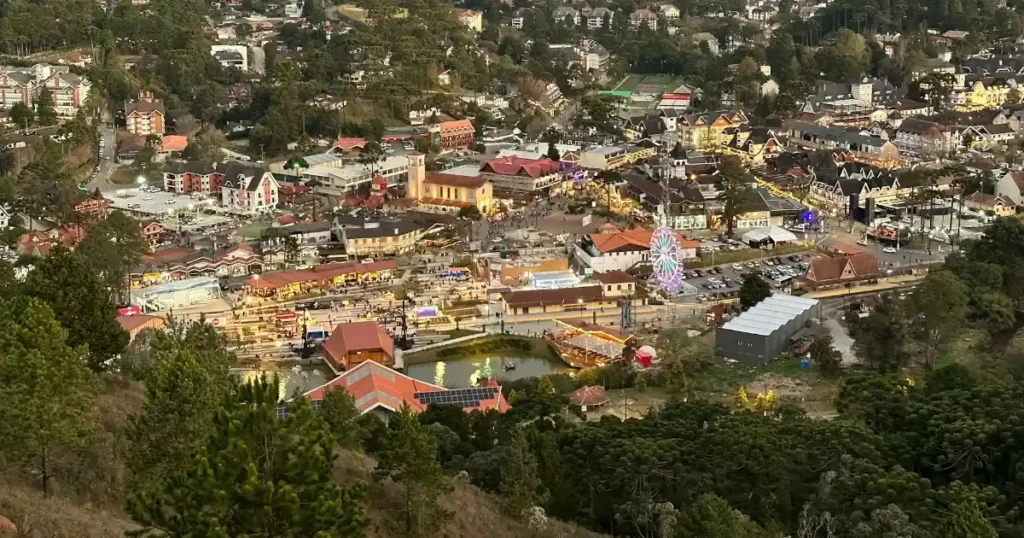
(493, 345)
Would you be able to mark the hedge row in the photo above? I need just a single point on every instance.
(493, 345)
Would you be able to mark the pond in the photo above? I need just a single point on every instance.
(459, 372)
(294, 377)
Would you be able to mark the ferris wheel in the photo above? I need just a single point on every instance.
(665, 260)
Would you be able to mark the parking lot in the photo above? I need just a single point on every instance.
(724, 281)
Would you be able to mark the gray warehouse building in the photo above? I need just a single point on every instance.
(763, 332)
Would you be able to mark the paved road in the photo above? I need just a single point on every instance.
(101, 179)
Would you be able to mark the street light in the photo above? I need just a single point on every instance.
(580, 302)
(140, 180)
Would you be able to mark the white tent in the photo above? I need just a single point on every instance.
(773, 233)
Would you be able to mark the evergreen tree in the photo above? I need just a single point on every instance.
(46, 389)
(81, 303)
(22, 115)
(965, 520)
(409, 458)
(258, 475)
(827, 359)
(553, 152)
(520, 487)
(342, 417)
(753, 290)
(734, 187)
(112, 247)
(176, 420)
(45, 107)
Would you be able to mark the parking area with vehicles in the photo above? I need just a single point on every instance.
(723, 281)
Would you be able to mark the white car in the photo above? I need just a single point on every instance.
(737, 267)
(889, 250)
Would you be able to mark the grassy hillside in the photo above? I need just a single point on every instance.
(96, 476)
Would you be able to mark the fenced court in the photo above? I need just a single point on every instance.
(649, 84)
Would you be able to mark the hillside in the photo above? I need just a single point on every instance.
(476, 513)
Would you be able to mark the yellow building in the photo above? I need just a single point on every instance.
(447, 193)
(612, 157)
(985, 93)
(753, 145)
(708, 131)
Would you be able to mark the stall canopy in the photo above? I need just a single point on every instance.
(772, 234)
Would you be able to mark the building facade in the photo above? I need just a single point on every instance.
(454, 135)
(24, 85)
(145, 117)
(249, 190)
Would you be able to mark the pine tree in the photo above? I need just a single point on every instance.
(45, 107)
(46, 389)
(409, 458)
(520, 486)
(965, 520)
(339, 411)
(553, 152)
(81, 303)
(259, 474)
(176, 420)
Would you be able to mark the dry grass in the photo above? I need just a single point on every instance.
(475, 512)
(37, 517)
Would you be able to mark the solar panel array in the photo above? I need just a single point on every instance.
(461, 397)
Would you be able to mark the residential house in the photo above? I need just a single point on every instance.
(519, 18)
(834, 192)
(24, 84)
(249, 190)
(152, 232)
(231, 56)
(190, 177)
(916, 137)
(669, 11)
(566, 14)
(178, 263)
(344, 146)
(453, 135)
(617, 283)
(516, 175)
(908, 107)
(707, 131)
(1010, 186)
(145, 116)
(862, 147)
(596, 17)
(643, 17)
(383, 392)
(991, 204)
(92, 205)
(612, 249)
(470, 18)
(752, 144)
(839, 271)
(662, 129)
(982, 92)
(701, 38)
(353, 343)
(379, 238)
(993, 65)
(5, 218)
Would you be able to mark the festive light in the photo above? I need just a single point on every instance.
(665, 256)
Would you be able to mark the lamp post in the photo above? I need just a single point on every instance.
(580, 302)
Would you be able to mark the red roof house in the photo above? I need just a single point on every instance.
(353, 343)
(348, 145)
(381, 390)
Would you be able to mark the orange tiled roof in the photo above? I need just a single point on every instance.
(637, 237)
(356, 336)
(519, 166)
(318, 273)
(373, 385)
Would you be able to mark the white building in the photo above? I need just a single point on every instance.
(248, 189)
(24, 84)
(5, 218)
(177, 294)
(615, 250)
(595, 17)
(345, 177)
(236, 56)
